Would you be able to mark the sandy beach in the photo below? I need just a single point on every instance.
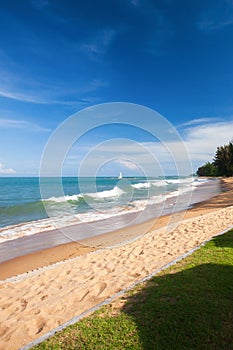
(37, 302)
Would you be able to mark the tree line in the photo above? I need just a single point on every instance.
(222, 164)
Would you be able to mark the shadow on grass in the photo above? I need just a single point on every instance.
(191, 309)
(225, 240)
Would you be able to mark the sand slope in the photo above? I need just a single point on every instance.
(38, 303)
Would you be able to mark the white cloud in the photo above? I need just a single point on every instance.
(127, 164)
(4, 170)
(130, 157)
(199, 121)
(151, 158)
(46, 100)
(202, 140)
(199, 145)
(21, 124)
(24, 97)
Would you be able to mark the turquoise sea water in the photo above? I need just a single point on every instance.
(24, 212)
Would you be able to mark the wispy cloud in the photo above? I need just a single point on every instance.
(76, 102)
(4, 170)
(19, 85)
(16, 84)
(202, 140)
(99, 43)
(199, 139)
(127, 164)
(135, 2)
(81, 95)
(21, 124)
(21, 97)
(210, 25)
(129, 156)
(200, 121)
(219, 16)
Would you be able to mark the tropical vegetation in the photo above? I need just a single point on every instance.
(222, 164)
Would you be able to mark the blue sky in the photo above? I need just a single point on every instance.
(58, 57)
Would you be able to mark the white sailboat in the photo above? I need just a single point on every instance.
(120, 176)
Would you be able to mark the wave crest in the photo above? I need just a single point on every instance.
(115, 192)
(142, 185)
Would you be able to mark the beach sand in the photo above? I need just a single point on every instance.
(39, 301)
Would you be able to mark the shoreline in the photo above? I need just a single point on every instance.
(36, 303)
(45, 257)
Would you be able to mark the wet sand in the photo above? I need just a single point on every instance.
(38, 302)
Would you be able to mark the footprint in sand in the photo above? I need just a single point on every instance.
(5, 306)
(3, 330)
(83, 295)
(24, 303)
(41, 323)
(99, 288)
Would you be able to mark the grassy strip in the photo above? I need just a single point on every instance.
(187, 306)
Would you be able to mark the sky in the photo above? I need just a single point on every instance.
(59, 57)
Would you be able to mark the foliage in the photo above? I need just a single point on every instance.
(222, 164)
(224, 160)
(209, 169)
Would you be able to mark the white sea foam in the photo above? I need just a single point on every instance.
(74, 197)
(115, 192)
(142, 185)
(151, 200)
(33, 227)
(198, 182)
(159, 183)
(180, 181)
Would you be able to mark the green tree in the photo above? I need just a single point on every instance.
(231, 158)
(222, 164)
(209, 169)
(223, 160)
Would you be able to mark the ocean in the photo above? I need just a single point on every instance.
(108, 201)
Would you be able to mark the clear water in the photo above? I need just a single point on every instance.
(23, 211)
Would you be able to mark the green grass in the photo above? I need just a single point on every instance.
(187, 306)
